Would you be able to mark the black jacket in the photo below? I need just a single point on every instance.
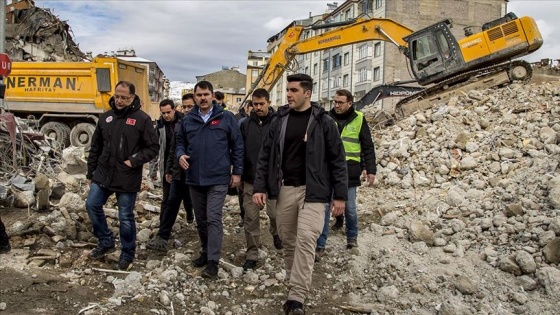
(253, 132)
(326, 174)
(368, 149)
(240, 113)
(172, 165)
(121, 135)
(164, 150)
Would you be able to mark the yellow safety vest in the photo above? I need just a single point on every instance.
(351, 138)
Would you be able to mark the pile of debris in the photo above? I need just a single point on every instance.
(35, 34)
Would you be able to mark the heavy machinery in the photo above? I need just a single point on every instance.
(434, 55)
(65, 99)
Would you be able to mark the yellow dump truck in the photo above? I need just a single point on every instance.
(65, 99)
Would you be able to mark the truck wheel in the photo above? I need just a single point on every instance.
(81, 134)
(58, 131)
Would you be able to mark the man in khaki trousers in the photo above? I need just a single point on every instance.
(302, 165)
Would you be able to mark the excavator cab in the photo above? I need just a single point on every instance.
(433, 52)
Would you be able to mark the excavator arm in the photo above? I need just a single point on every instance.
(345, 33)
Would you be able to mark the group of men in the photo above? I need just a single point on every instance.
(301, 162)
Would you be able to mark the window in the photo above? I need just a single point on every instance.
(346, 59)
(238, 100)
(336, 82)
(306, 70)
(362, 75)
(376, 74)
(345, 80)
(336, 59)
(325, 84)
(315, 68)
(254, 73)
(255, 63)
(362, 52)
(347, 15)
(314, 87)
(378, 4)
(377, 50)
(326, 64)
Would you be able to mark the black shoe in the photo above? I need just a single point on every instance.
(319, 252)
(190, 220)
(100, 252)
(338, 223)
(351, 243)
(277, 242)
(249, 264)
(292, 307)
(5, 248)
(211, 270)
(241, 223)
(157, 243)
(200, 261)
(124, 264)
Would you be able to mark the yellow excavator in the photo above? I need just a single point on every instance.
(435, 56)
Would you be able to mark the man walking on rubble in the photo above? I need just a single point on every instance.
(243, 112)
(123, 141)
(165, 127)
(358, 146)
(253, 129)
(302, 166)
(210, 149)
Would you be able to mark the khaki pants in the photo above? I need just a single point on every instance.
(252, 221)
(299, 225)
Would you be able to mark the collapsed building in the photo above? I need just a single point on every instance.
(35, 34)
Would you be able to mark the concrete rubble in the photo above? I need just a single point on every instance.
(464, 219)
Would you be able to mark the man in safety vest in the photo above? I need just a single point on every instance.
(360, 160)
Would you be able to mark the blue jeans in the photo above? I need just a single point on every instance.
(350, 214)
(96, 198)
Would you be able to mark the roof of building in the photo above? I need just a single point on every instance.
(134, 59)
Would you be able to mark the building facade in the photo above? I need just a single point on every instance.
(362, 66)
(229, 81)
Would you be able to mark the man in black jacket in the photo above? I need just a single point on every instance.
(359, 149)
(244, 111)
(301, 165)
(123, 141)
(253, 129)
(165, 127)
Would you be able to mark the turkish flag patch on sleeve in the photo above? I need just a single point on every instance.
(215, 122)
(130, 121)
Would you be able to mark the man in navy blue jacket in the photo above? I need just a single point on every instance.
(210, 149)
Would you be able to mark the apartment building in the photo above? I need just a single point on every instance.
(362, 66)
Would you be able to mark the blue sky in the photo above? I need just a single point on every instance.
(190, 38)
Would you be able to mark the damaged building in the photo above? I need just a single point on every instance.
(35, 34)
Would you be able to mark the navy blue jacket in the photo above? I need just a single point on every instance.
(215, 148)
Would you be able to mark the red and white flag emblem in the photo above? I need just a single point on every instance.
(130, 121)
(215, 122)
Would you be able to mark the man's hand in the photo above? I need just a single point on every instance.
(370, 179)
(168, 178)
(337, 207)
(259, 199)
(235, 181)
(183, 161)
(127, 163)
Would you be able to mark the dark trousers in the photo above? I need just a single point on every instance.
(3, 234)
(241, 206)
(208, 203)
(178, 191)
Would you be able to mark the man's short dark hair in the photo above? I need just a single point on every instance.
(348, 94)
(219, 95)
(262, 93)
(188, 96)
(127, 84)
(305, 81)
(204, 85)
(166, 102)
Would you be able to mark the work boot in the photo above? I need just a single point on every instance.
(249, 264)
(5, 248)
(200, 261)
(100, 252)
(292, 307)
(211, 270)
(124, 264)
(319, 252)
(277, 242)
(338, 224)
(351, 243)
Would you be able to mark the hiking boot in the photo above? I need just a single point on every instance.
(200, 261)
(5, 248)
(211, 270)
(277, 242)
(292, 307)
(338, 224)
(100, 252)
(249, 264)
(351, 243)
(319, 252)
(157, 243)
(124, 264)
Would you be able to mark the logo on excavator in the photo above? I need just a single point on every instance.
(471, 43)
(330, 39)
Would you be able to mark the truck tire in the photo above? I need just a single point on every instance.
(58, 131)
(81, 135)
